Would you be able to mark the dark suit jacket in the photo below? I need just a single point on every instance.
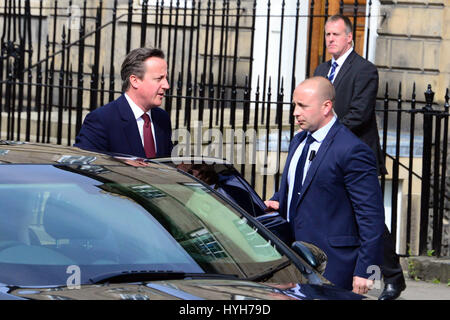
(113, 128)
(340, 209)
(356, 87)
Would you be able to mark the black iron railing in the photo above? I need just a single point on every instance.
(59, 62)
(429, 143)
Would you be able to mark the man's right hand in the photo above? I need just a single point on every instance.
(271, 205)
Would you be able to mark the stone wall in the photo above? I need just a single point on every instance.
(413, 46)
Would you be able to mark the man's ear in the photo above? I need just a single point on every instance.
(327, 107)
(350, 35)
(134, 81)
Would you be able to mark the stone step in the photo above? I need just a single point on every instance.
(428, 268)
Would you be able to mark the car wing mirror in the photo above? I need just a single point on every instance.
(313, 255)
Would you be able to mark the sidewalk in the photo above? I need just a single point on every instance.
(419, 290)
(423, 290)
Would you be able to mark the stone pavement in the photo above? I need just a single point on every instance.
(427, 278)
(419, 290)
(423, 290)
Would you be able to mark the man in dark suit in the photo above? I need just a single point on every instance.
(133, 124)
(333, 200)
(356, 83)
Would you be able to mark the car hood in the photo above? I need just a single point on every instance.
(181, 290)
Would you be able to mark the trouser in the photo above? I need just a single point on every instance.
(391, 268)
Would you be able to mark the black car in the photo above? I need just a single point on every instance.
(81, 225)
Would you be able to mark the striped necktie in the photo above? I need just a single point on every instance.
(333, 71)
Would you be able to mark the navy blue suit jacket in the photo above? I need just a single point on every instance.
(113, 128)
(356, 87)
(340, 208)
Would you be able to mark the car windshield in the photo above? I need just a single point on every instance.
(106, 219)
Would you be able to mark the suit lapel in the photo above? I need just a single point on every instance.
(345, 67)
(320, 156)
(295, 143)
(130, 129)
(324, 71)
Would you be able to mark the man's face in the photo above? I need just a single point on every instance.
(336, 38)
(154, 83)
(308, 110)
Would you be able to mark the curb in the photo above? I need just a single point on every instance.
(427, 268)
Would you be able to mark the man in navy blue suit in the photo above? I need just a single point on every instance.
(356, 82)
(133, 124)
(333, 199)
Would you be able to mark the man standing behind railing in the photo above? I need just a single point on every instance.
(356, 83)
(133, 124)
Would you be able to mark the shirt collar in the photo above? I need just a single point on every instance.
(340, 61)
(138, 112)
(320, 134)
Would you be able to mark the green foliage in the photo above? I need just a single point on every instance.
(412, 270)
(436, 281)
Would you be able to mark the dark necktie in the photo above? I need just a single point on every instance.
(298, 179)
(333, 71)
(149, 143)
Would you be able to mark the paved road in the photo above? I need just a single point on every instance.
(421, 290)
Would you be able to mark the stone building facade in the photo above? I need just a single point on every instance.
(413, 47)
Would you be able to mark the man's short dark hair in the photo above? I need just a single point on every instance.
(134, 64)
(337, 17)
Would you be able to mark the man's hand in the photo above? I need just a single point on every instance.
(362, 285)
(271, 205)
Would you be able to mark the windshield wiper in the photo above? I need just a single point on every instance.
(150, 275)
(268, 273)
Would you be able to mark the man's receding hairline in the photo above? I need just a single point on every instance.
(325, 91)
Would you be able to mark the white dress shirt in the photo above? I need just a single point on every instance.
(138, 112)
(318, 135)
(340, 61)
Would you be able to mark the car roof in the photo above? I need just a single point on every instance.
(17, 152)
(13, 152)
(193, 159)
(117, 168)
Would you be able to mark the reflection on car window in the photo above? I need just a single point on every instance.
(55, 216)
(231, 226)
(60, 225)
(226, 181)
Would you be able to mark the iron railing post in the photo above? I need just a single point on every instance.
(426, 170)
